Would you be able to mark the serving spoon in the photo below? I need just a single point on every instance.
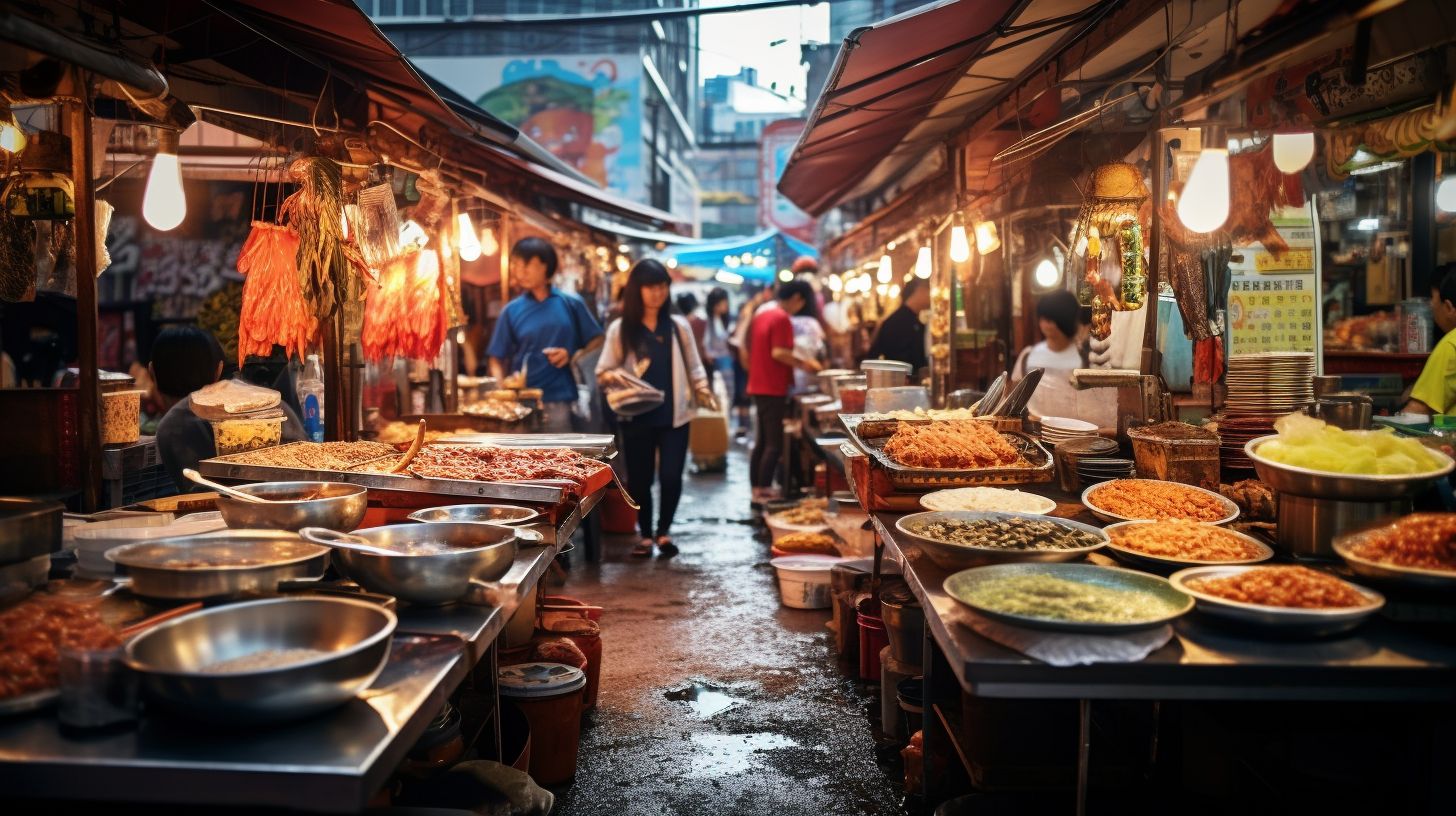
(223, 489)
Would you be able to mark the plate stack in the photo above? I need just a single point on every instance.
(1261, 388)
(1092, 471)
(1055, 430)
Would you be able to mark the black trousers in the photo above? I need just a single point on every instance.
(768, 447)
(658, 451)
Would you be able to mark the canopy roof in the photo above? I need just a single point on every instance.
(755, 257)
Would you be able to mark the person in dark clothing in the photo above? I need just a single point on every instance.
(184, 359)
(657, 346)
(901, 336)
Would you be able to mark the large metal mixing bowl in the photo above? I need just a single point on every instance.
(504, 514)
(221, 564)
(480, 554)
(335, 505)
(173, 658)
(1317, 484)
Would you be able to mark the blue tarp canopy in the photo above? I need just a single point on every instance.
(755, 257)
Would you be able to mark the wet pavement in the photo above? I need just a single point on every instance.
(714, 698)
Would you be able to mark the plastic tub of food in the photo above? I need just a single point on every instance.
(804, 580)
(241, 435)
(121, 413)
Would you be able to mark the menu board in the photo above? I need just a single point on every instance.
(1273, 302)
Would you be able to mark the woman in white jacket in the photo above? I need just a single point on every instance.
(651, 343)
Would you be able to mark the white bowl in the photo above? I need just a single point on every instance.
(92, 544)
(945, 500)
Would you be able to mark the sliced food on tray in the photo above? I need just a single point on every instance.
(314, 455)
(807, 513)
(807, 544)
(952, 445)
(1152, 500)
(988, 498)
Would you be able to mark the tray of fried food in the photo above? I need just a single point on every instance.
(958, 453)
(874, 426)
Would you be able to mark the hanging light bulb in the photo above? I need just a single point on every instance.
(1046, 274)
(1446, 194)
(785, 275)
(834, 283)
(894, 290)
(469, 242)
(672, 263)
(1204, 205)
(987, 241)
(1293, 151)
(886, 271)
(922, 263)
(410, 232)
(864, 282)
(731, 261)
(488, 244)
(883, 290)
(623, 263)
(12, 136)
(960, 245)
(164, 204)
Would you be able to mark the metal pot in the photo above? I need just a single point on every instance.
(481, 554)
(218, 565)
(508, 515)
(1351, 412)
(886, 373)
(827, 379)
(28, 528)
(335, 505)
(173, 658)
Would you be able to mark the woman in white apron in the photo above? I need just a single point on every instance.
(1059, 354)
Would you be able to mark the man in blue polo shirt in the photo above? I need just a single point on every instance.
(543, 331)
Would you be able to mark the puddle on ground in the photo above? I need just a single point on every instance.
(704, 699)
(716, 755)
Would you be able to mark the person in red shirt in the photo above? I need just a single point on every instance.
(771, 364)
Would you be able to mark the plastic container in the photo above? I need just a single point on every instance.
(910, 693)
(311, 398)
(872, 639)
(121, 417)
(897, 398)
(804, 580)
(550, 695)
(885, 373)
(892, 671)
(92, 544)
(852, 398)
(587, 635)
(242, 435)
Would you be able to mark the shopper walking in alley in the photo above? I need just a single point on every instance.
(772, 362)
(716, 340)
(650, 343)
(543, 332)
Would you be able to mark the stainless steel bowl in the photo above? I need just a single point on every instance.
(217, 565)
(504, 514)
(961, 556)
(1316, 484)
(481, 553)
(173, 658)
(1294, 620)
(337, 506)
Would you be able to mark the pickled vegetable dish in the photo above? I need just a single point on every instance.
(1005, 534)
(1048, 597)
(1309, 443)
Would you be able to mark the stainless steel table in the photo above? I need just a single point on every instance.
(330, 763)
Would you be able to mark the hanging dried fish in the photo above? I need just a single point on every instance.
(331, 271)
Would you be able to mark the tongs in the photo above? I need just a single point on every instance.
(992, 397)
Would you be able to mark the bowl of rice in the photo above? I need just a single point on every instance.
(988, 499)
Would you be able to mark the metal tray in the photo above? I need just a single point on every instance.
(1390, 573)
(912, 478)
(542, 492)
(1177, 603)
(597, 446)
(1313, 622)
(25, 703)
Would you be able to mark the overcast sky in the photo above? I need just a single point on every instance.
(729, 41)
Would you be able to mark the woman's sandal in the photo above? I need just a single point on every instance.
(665, 546)
(643, 549)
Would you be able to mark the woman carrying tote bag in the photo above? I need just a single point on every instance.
(650, 345)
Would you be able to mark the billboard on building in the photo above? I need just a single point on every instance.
(585, 109)
(774, 210)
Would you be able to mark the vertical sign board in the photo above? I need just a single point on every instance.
(1274, 302)
(774, 209)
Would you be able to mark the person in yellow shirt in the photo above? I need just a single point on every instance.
(1435, 390)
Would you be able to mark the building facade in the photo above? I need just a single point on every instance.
(735, 111)
(615, 99)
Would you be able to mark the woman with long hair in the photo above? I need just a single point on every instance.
(715, 341)
(653, 344)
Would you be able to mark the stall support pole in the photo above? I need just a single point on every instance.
(78, 128)
(336, 406)
(1152, 362)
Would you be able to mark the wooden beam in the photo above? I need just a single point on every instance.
(78, 128)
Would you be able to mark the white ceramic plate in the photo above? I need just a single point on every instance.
(992, 499)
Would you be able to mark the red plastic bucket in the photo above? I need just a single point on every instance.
(550, 695)
(872, 638)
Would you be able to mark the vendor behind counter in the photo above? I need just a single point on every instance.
(184, 359)
(1434, 391)
(1062, 350)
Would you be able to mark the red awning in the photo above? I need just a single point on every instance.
(899, 87)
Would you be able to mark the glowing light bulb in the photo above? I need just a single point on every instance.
(1293, 151)
(922, 263)
(724, 276)
(987, 241)
(960, 245)
(1446, 194)
(488, 244)
(164, 203)
(623, 263)
(886, 271)
(882, 290)
(835, 284)
(785, 275)
(894, 290)
(1046, 274)
(864, 282)
(410, 232)
(12, 137)
(466, 239)
(672, 263)
(1204, 204)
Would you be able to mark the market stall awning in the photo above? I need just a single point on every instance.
(898, 87)
(754, 257)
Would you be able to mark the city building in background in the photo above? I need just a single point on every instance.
(612, 99)
(736, 111)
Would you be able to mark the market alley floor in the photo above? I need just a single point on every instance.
(777, 726)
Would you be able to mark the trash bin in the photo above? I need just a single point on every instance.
(550, 695)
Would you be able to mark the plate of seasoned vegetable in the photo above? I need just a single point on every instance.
(956, 539)
(1069, 597)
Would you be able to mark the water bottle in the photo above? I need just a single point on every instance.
(311, 398)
